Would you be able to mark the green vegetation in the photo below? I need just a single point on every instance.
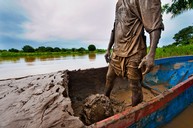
(28, 50)
(13, 50)
(183, 44)
(165, 51)
(172, 50)
(177, 7)
(184, 36)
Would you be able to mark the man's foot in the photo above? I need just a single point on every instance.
(136, 99)
(107, 94)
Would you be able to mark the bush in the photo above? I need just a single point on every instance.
(49, 49)
(13, 50)
(41, 49)
(28, 48)
(56, 49)
(81, 49)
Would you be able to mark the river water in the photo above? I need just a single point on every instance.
(184, 120)
(20, 67)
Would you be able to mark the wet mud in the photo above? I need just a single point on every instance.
(96, 107)
(82, 84)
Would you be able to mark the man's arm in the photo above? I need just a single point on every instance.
(111, 42)
(148, 60)
(152, 21)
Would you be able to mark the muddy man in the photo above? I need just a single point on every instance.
(129, 58)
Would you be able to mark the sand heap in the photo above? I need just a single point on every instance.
(39, 101)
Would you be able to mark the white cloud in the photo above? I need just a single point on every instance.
(64, 19)
(166, 1)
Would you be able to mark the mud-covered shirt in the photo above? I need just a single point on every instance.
(132, 16)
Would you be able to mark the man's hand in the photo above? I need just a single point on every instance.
(148, 62)
(107, 56)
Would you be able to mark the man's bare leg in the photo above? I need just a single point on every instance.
(110, 78)
(137, 94)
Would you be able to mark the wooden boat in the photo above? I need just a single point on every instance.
(55, 99)
(174, 74)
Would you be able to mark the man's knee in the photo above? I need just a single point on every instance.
(135, 83)
(110, 76)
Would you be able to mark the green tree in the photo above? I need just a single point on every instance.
(28, 48)
(91, 47)
(81, 49)
(49, 49)
(73, 49)
(184, 36)
(41, 49)
(56, 49)
(13, 50)
(177, 7)
(64, 49)
(3, 50)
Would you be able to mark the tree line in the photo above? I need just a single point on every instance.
(30, 49)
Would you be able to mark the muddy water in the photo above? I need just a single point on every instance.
(184, 120)
(124, 95)
(24, 66)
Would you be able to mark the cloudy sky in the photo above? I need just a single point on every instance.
(68, 23)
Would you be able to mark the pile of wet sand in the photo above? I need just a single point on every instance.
(39, 101)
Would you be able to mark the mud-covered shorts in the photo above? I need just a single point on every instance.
(128, 66)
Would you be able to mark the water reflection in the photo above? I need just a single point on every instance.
(9, 59)
(92, 56)
(30, 59)
(80, 56)
(47, 58)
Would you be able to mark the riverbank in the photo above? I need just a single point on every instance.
(48, 54)
(161, 52)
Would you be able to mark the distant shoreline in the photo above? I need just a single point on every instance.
(23, 54)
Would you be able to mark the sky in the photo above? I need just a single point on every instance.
(69, 23)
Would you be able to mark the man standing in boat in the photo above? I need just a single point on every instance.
(129, 58)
